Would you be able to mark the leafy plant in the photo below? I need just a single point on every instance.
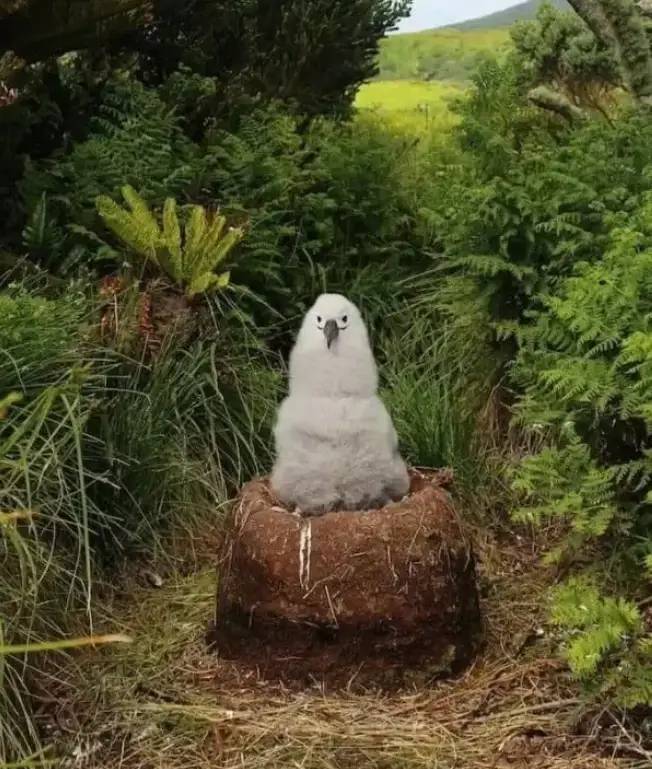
(190, 260)
(435, 401)
(606, 643)
(559, 49)
(134, 139)
(584, 370)
(42, 236)
(99, 454)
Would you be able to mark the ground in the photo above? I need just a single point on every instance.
(165, 701)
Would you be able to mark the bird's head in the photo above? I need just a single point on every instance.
(332, 352)
(333, 324)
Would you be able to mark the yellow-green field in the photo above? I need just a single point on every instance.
(413, 105)
(420, 74)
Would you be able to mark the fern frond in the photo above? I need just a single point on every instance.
(172, 239)
(196, 228)
(189, 261)
(141, 214)
(122, 224)
(206, 282)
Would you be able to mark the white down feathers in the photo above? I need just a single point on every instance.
(336, 447)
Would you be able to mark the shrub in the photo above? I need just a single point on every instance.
(511, 234)
(437, 399)
(584, 370)
(326, 210)
(101, 454)
(135, 139)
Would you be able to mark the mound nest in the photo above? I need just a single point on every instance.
(370, 595)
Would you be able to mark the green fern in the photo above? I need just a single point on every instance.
(566, 483)
(191, 260)
(601, 630)
(585, 371)
(42, 236)
(135, 139)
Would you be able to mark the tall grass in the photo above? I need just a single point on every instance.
(438, 395)
(101, 454)
(411, 106)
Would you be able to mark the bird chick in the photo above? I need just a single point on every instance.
(336, 446)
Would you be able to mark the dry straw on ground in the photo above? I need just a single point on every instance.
(164, 702)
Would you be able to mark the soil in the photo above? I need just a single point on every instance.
(370, 596)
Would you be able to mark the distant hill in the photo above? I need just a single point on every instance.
(520, 12)
(451, 54)
(438, 54)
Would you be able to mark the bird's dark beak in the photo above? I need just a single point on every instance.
(331, 332)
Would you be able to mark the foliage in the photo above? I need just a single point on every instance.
(37, 32)
(545, 225)
(436, 403)
(499, 253)
(584, 372)
(310, 53)
(559, 49)
(99, 457)
(533, 201)
(189, 261)
(620, 26)
(611, 638)
(135, 139)
(330, 208)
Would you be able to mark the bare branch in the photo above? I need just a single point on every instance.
(553, 101)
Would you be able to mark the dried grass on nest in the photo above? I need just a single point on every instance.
(166, 702)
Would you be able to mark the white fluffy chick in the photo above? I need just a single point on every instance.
(336, 446)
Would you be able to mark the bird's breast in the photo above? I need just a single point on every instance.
(333, 419)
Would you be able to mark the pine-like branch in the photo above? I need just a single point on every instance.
(619, 25)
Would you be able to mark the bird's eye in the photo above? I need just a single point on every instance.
(345, 318)
(319, 319)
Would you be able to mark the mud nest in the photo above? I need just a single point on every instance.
(369, 595)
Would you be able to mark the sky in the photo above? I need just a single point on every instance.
(435, 13)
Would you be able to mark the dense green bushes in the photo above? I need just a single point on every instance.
(326, 206)
(545, 229)
(532, 197)
(584, 370)
(101, 455)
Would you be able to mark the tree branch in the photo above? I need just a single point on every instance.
(645, 8)
(553, 101)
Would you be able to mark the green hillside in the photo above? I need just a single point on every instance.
(439, 54)
(520, 12)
